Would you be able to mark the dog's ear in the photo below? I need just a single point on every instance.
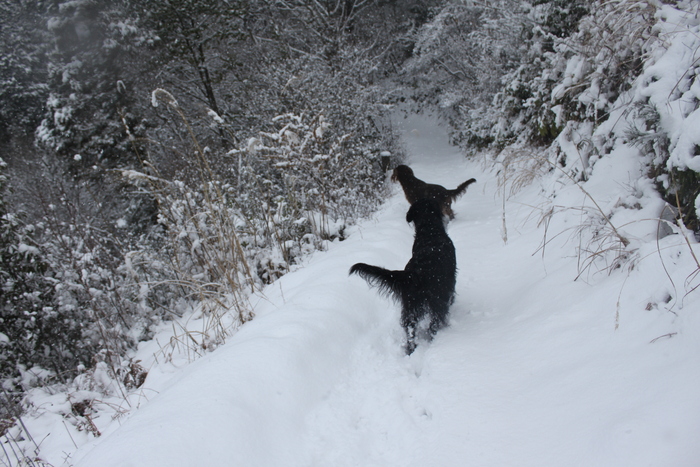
(411, 214)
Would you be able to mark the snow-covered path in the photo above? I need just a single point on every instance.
(531, 371)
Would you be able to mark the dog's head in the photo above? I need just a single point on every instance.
(401, 172)
(424, 211)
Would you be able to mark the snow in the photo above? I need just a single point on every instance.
(671, 85)
(537, 367)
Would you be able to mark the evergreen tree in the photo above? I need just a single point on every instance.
(94, 83)
(23, 75)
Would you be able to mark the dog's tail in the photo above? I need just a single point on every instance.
(388, 282)
(459, 191)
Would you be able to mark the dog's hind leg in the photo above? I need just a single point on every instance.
(434, 327)
(411, 322)
(410, 340)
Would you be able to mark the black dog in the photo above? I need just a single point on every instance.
(415, 189)
(426, 286)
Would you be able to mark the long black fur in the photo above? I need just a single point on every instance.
(415, 189)
(426, 286)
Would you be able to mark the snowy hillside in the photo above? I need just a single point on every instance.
(550, 359)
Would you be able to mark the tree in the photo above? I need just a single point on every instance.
(23, 71)
(461, 54)
(194, 35)
(93, 81)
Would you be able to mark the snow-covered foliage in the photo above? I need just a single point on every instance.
(22, 68)
(307, 181)
(635, 103)
(666, 97)
(89, 73)
(37, 335)
(284, 191)
(576, 78)
(460, 55)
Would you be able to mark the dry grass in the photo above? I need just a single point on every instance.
(204, 254)
(599, 241)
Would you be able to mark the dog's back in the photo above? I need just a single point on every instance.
(440, 193)
(426, 286)
(433, 264)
